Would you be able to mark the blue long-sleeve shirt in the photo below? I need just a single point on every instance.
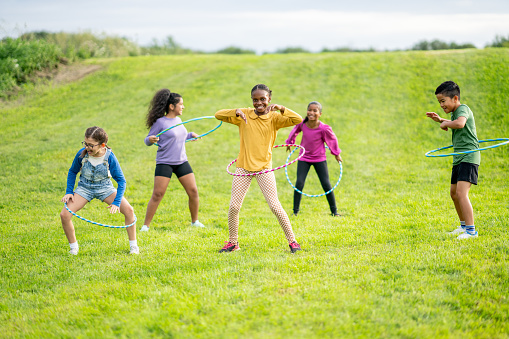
(115, 170)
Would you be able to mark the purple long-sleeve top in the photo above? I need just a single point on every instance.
(172, 150)
(313, 140)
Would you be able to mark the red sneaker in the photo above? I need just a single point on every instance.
(229, 247)
(294, 247)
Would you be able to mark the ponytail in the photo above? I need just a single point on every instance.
(313, 103)
(160, 105)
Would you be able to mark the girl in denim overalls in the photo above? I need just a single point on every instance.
(97, 164)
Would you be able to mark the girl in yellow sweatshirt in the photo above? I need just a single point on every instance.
(258, 128)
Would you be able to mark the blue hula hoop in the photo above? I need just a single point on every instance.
(191, 120)
(428, 154)
(313, 195)
(96, 223)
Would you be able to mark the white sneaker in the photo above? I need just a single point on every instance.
(459, 230)
(197, 224)
(144, 228)
(467, 235)
(134, 250)
(74, 251)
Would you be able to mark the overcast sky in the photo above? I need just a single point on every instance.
(267, 25)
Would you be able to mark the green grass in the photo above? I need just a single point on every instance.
(385, 269)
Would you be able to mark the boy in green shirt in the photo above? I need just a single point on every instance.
(465, 166)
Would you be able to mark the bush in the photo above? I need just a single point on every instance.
(87, 45)
(499, 41)
(439, 45)
(169, 46)
(21, 58)
(235, 50)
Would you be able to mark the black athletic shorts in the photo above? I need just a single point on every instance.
(464, 171)
(164, 170)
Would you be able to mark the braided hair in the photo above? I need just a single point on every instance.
(263, 88)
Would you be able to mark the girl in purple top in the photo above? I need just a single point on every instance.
(164, 111)
(314, 135)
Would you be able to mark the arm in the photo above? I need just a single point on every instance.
(230, 115)
(454, 124)
(192, 135)
(293, 134)
(118, 176)
(71, 177)
(73, 172)
(445, 124)
(332, 142)
(287, 117)
(151, 138)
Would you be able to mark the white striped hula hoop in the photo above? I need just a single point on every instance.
(428, 154)
(191, 120)
(96, 223)
(268, 170)
(314, 195)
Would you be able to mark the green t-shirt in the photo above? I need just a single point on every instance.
(465, 139)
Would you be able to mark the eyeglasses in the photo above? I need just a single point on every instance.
(88, 145)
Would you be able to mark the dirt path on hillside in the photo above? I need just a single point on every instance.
(69, 73)
(61, 75)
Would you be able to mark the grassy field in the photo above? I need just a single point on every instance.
(385, 269)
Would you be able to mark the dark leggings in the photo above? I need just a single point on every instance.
(323, 174)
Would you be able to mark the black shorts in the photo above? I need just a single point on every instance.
(164, 170)
(464, 171)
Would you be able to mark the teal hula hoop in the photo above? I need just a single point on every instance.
(188, 121)
(96, 223)
(429, 154)
(313, 195)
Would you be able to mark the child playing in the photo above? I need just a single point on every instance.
(314, 134)
(164, 111)
(258, 128)
(465, 166)
(97, 164)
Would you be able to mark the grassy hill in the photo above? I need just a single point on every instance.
(386, 268)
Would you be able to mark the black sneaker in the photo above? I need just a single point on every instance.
(229, 247)
(294, 247)
(335, 214)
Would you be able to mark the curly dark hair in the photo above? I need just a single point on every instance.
(160, 105)
(263, 88)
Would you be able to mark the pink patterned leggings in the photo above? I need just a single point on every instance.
(267, 183)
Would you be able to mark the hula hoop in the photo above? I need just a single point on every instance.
(314, 195)
(428, 154)
(268, 170)
(191, 120)
(96, 223)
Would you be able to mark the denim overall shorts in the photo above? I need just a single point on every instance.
(94, 180)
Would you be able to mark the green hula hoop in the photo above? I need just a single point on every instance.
(188, 121)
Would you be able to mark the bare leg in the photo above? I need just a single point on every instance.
(75, 205)
(127, 210)
(455, 199)
(160, 186)
(467, 212)
(188, 181)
